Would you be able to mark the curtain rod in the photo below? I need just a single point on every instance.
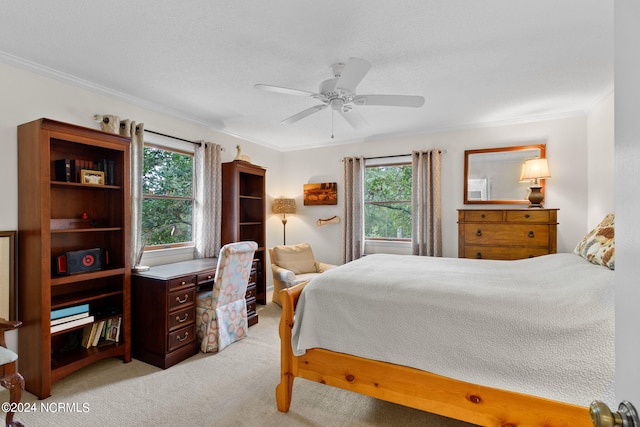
(397, 155)
(173, 137)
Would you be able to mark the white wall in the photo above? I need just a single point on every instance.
(627, 204)
(600, 147)
(566, 141)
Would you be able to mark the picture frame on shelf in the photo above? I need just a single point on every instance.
(91, 177)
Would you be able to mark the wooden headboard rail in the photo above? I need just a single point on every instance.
(415, 388)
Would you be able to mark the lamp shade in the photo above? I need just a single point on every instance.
(284, 206)
(533, 169)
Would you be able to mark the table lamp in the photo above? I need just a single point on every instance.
(533, 170)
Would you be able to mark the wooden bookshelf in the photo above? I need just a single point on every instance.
(57, 215)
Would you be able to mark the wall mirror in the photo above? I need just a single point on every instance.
(492, 175)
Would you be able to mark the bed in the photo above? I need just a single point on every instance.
(494, 343)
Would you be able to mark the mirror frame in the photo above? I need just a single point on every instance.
(468, 153)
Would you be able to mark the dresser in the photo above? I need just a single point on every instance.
(506, 234)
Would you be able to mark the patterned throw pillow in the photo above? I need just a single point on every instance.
(598, 246)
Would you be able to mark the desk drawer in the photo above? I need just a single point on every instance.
(251, 306)
(181, 318)
(182, 281)
(181, 337)
(181, 299)
(206, 276)
(251, 292)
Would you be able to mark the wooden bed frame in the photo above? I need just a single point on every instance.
(415, 388)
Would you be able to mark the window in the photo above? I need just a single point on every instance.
(387, 202)
(167, 198)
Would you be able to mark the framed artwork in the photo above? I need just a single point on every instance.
(325, 193)
(8, 275)
(91, 177)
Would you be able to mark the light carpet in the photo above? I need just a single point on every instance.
(235, 387)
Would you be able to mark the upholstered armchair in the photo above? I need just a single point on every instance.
(292, 265)
(221, 313)
(10, 378)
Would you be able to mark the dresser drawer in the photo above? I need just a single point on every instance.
(502, 252)
(483, 216)
(181, 337)
(181, 299)
(527, 216)
(515, 235)
(181, 318)
(182, 281)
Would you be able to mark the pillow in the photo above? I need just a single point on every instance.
(297, 258)
(598, 246)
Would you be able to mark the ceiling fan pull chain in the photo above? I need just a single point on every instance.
(332, 123)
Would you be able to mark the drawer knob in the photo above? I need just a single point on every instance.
(527, 215)
(483, 216)
(209, 277)
(479, 255)
(184, 319)
(531, 234)
(183, 283)
(186, 334)
(182, 301)
(479, 233)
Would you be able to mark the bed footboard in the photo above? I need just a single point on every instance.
(415, 388)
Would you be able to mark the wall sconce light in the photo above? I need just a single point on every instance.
(284, 207)
(533, 170)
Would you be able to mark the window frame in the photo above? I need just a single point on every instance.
(395, 161)
(180, 148)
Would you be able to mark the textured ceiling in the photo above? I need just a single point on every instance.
(476, 62)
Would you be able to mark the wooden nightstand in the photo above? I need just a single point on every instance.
(506, 234)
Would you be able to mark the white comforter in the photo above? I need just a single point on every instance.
(542, 326)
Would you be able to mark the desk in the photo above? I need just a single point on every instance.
(164, 311)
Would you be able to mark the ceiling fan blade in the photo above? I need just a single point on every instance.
(304, 113)
(390, 100)
(354, 118)
(286, 90)
(354, 71)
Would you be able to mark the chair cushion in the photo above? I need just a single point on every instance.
(7, 356)
(297, 258)
(304, 277)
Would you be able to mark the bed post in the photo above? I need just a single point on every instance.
(288, 299)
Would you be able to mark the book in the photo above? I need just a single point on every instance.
(69, 318)
(69, 311)
(114, 330)
(98, 334)
(86, 336)
(71, 324)
(63, 170)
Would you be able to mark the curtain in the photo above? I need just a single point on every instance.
(427, 220)
(137, 157)
(207, 215)
(135, 131)
(353, 209)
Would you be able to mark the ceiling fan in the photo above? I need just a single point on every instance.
(339, 93)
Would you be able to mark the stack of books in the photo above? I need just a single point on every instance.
(70, 317)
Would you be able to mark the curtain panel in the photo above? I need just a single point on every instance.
(353, 209)
(207, 215)
(426, 207)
